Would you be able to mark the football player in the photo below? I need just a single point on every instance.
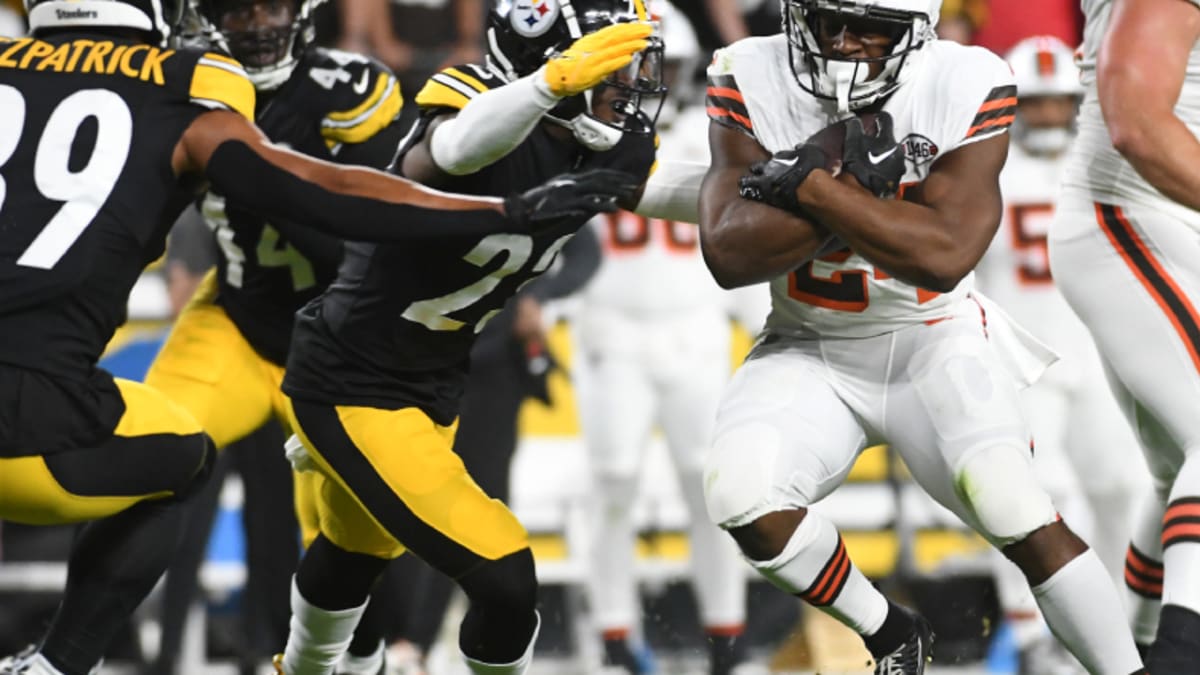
(378, 362)
(1083, 444)
(108, 134)
(224, 358)
(654, 337)
(879, 338)
(1121, 248)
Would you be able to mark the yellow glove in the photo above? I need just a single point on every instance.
(594, 57)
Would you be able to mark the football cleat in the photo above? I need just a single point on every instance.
(909, 658)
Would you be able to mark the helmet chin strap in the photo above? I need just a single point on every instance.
(842, 74)
(1052, 141)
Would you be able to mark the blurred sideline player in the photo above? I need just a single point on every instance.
(1085, 453)
(883, 340)
(89, 203)
(379, 361)
(1123, 248)
(225, 356)
(654, 333)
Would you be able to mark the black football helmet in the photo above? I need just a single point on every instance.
(269, 55)
(158, 18)
(523, 34)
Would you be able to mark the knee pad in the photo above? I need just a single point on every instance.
(998, 485)
(507, 585)
(739, 473)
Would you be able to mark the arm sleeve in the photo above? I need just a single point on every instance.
(245, 177)
(490, 125)
(581, 259)
(673, 192)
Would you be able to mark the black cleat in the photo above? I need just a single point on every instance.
(909, 658)
(1176, 648)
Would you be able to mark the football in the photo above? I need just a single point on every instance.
(833, 137)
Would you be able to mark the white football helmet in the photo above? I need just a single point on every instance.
(1044, 65)
(848, 81)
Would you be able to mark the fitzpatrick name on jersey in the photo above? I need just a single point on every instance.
(954, 96)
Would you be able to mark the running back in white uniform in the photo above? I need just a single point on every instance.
(958, 96)
(852, 357)
(1127, 258)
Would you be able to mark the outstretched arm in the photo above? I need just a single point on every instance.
(745, 242)
(365, 204)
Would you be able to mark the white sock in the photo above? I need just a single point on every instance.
(814, 565)
(318, 637)
(1181, 538)
(1143, 578)
(517, 667)
(1084, 611)
(362, 665)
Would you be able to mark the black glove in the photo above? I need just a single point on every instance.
(570, 195)
(876, 160)
(774, 181)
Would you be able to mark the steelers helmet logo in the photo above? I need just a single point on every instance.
(532, 18)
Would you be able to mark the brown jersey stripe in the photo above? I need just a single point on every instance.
(1153, 277)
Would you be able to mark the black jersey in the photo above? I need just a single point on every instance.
(396, 327)
(87, 192)
(336, 106)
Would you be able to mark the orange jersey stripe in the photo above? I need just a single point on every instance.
(997, 103)
(999, 121)
(740, 119)
(726, 92)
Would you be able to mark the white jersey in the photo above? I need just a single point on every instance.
(1093, 164)
(955, 96)
(653, 266)
(1015, 271)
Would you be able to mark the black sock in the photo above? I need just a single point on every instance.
(1176, 646)
(502, 616)
(896, 629)
(333, 578)
(113, 566)
(725, 652)
(369, 633)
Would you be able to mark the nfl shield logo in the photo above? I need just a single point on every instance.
(532, 18)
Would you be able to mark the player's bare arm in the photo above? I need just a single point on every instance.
(1140, 73)
(746, 242)
(936, 234)
(298, 188)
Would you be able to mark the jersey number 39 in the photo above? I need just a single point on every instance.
(83, 190)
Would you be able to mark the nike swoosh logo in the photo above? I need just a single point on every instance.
(875, 159)
(361, 85)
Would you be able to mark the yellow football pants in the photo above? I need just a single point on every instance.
(155, 451)
(389, 480)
